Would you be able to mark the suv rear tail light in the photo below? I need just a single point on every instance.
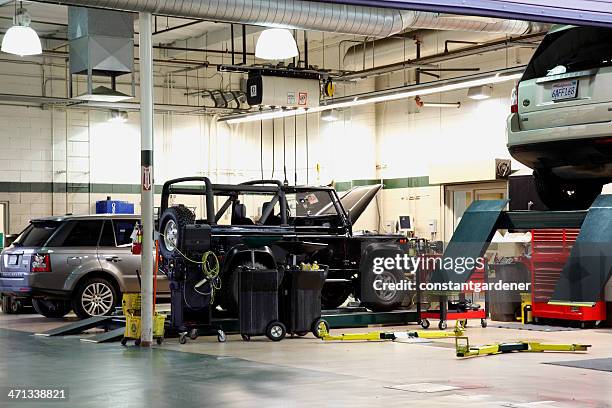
(40, 263)
(514, 100)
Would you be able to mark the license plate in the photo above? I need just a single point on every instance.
(13, 260)
(564, 90)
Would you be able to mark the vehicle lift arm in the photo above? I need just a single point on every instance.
(382, 335)
(463, 348)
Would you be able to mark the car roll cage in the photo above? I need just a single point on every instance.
(273, 187)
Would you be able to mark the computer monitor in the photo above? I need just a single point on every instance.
(405, 223)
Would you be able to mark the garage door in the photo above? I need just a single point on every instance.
(586, 12)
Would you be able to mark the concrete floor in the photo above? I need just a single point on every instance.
(302, 371)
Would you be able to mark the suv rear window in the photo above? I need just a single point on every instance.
(82, 233)
(37, 233)
(123, 231)
(576, 49)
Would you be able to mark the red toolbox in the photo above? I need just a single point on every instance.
(550, 251)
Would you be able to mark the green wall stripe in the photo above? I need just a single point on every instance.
(407, 182)
(388, 184)
(110, 189)
(343, 185)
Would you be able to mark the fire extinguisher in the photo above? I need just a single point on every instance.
(137, 240)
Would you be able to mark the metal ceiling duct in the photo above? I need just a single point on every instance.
(307, 15)
(101, 41)
(436, 21)
(292, 14)
(102, 44)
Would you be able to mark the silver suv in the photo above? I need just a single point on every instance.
(82, 263)
(561, 121)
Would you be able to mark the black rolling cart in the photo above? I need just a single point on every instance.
(190, 314)
(258, 298)
(301, 300)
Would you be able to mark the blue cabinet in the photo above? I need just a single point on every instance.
(109, 206)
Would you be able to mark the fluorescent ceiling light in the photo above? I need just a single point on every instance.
(117, 116)
(276, 44)
(104, 94)
(270, 114)
(479, 93)
(453, 84)
(454, 105)
(420, 103)
(21, 39)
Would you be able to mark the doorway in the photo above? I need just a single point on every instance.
(458, 197)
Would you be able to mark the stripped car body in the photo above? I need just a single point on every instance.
(312, 215)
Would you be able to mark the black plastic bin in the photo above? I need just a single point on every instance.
(301, 301)
(258, 303)
(505, 305)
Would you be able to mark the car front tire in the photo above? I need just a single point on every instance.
(95, 297)
(382, 300)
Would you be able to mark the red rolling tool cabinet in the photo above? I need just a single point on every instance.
(443, 314)
(550, 251)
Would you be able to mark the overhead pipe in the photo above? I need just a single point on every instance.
(392, 50)
(308, 15)
(429, 60)
(437, 21)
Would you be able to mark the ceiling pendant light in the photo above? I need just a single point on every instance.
(276, 44)
(21, 39)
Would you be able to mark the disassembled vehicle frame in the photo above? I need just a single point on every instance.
(289, 216)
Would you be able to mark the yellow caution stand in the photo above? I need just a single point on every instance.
(463, 348)
(131, 305)
(401, 335)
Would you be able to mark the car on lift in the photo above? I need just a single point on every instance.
(561, 116)
(80, 263)
(308, 215)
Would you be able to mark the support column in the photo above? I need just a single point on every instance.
(147, 183)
